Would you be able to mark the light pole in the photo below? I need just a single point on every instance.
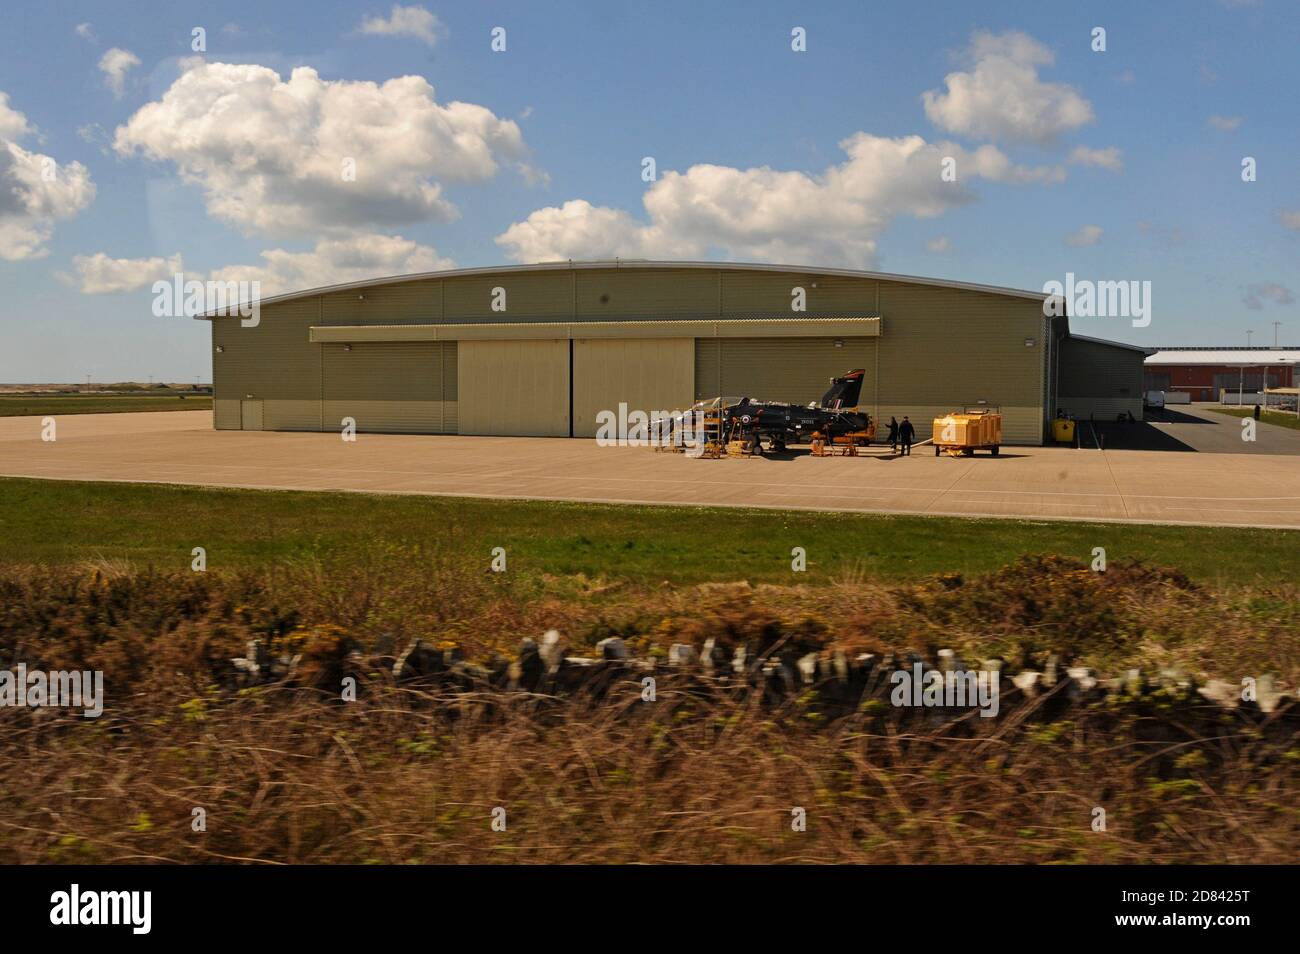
(1248, 334)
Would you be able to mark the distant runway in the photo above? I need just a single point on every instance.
(180, 447)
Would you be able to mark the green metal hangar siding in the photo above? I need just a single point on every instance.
(538, 350)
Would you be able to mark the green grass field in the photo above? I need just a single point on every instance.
(340, 583)
(58, 522)
(43, 404)
(1280, 418)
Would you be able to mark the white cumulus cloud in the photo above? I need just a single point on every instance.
(271, 155)
(770, 215)
(115, 64)
(13, 124)
(335, 261)
(99, 274)
(1002, 97)
(412, 21)
(35, 190)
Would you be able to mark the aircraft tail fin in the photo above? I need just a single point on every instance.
(844, 392)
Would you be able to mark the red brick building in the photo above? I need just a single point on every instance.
(1204, 372)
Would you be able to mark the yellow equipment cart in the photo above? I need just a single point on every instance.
(963, 432)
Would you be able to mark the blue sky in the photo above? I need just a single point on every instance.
(1115, 165)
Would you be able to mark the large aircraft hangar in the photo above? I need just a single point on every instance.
(539, 350)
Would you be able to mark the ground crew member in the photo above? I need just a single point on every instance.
(892, 437)
(906, 434)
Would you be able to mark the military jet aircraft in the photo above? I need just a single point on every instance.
(771, 425)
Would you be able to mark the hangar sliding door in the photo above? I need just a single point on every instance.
(646, 374)
(796, 370)
(390, 387)
(514, 387)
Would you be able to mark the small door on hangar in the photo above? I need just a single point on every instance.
(513, 387)
(646, 374)
(250, 414)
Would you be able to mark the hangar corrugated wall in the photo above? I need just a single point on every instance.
(388, 387)
(938, 346)
(946, 347)
(273, 362)
(1100, 379)
(796, 370)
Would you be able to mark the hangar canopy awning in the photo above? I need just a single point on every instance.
(827, 327)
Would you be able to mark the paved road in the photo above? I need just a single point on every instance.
(1040, 482)
(1201, 429)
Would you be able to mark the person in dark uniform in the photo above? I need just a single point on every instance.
(1257, 412)
(906, 434)
(892, 437)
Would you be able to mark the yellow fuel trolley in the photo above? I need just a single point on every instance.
(962, 433)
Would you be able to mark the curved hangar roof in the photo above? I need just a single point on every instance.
(646, 264)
